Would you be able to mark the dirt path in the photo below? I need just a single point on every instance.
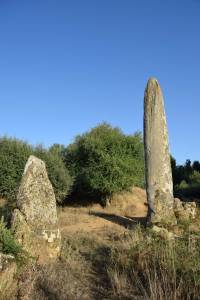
(89, 237)
(97, 223)
(125, 212)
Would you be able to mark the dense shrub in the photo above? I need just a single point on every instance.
(13, 156)
(104, 161)
(186, 179)
(194, 179)
(188, 172)
(190, 189)
(8, 245)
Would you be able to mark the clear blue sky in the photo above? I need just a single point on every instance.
(66, 66)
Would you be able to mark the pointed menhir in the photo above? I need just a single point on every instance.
(35, 221)
(157, 158)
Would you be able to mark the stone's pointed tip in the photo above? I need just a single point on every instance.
(33, 157)
(33, 160)
(152, 84)
(152, 80)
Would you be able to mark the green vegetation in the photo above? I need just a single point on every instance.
(104, 264)
(101, 162)
(186, 179)
(13, 156)
(97, 164)
(8, 245)
(104, 161)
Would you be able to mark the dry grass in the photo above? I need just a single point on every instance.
(130, 266)
(151, 268)
(105, 255)
(67, 278)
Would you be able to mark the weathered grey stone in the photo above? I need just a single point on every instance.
(35, 220)
(184, 211)
(157, 158)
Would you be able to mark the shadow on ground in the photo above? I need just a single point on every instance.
(127, 222)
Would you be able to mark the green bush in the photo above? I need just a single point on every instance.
(104, 161)
(190, 189)
(13, 157)
(188, 173)
(194, 179)
(183, 185)
(8, 245)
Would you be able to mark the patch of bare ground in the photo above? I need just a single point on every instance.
(106, 255)
(88, 234)
(125, 211)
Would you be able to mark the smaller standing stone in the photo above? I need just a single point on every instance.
(35, 221)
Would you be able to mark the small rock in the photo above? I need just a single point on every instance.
(184, 211)
(163, 233)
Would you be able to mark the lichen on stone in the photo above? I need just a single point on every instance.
(35, 221)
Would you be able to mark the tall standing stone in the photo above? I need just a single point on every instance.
(35, 221)
(157, 158)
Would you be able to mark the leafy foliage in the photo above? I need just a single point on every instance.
(8, 245)
(194, 179)
(104, 161)
(13, 156)
(186, 178)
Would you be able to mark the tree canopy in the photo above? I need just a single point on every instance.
(104, 161)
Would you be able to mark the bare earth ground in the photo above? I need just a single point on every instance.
(125, 211)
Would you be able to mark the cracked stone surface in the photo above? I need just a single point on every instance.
(157, 158)
(35, 221)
